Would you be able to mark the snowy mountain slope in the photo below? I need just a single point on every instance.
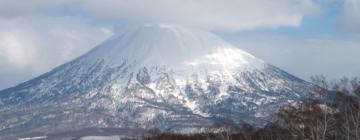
(151, 76)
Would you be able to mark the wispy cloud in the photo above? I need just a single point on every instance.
(350, 17)
(326, 55)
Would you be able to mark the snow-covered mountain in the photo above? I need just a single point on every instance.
(151, 76)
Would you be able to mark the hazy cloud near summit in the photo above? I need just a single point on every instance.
(209, 14)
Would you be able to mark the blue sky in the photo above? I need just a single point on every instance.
(303, 37)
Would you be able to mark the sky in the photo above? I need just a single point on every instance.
(303, 37)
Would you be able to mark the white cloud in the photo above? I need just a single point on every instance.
(32, 46)
(13, 52)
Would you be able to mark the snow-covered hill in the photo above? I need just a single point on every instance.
(151, 76)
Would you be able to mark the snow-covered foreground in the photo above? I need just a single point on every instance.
(101, 138)
(34, 138)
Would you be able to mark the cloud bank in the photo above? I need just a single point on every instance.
(209, 14)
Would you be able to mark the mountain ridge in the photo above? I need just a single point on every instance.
(153, 76)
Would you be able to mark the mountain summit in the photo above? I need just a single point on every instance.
(174, 47)
(151, 76)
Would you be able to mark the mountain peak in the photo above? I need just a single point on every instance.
(172, 46)
(153, 76)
